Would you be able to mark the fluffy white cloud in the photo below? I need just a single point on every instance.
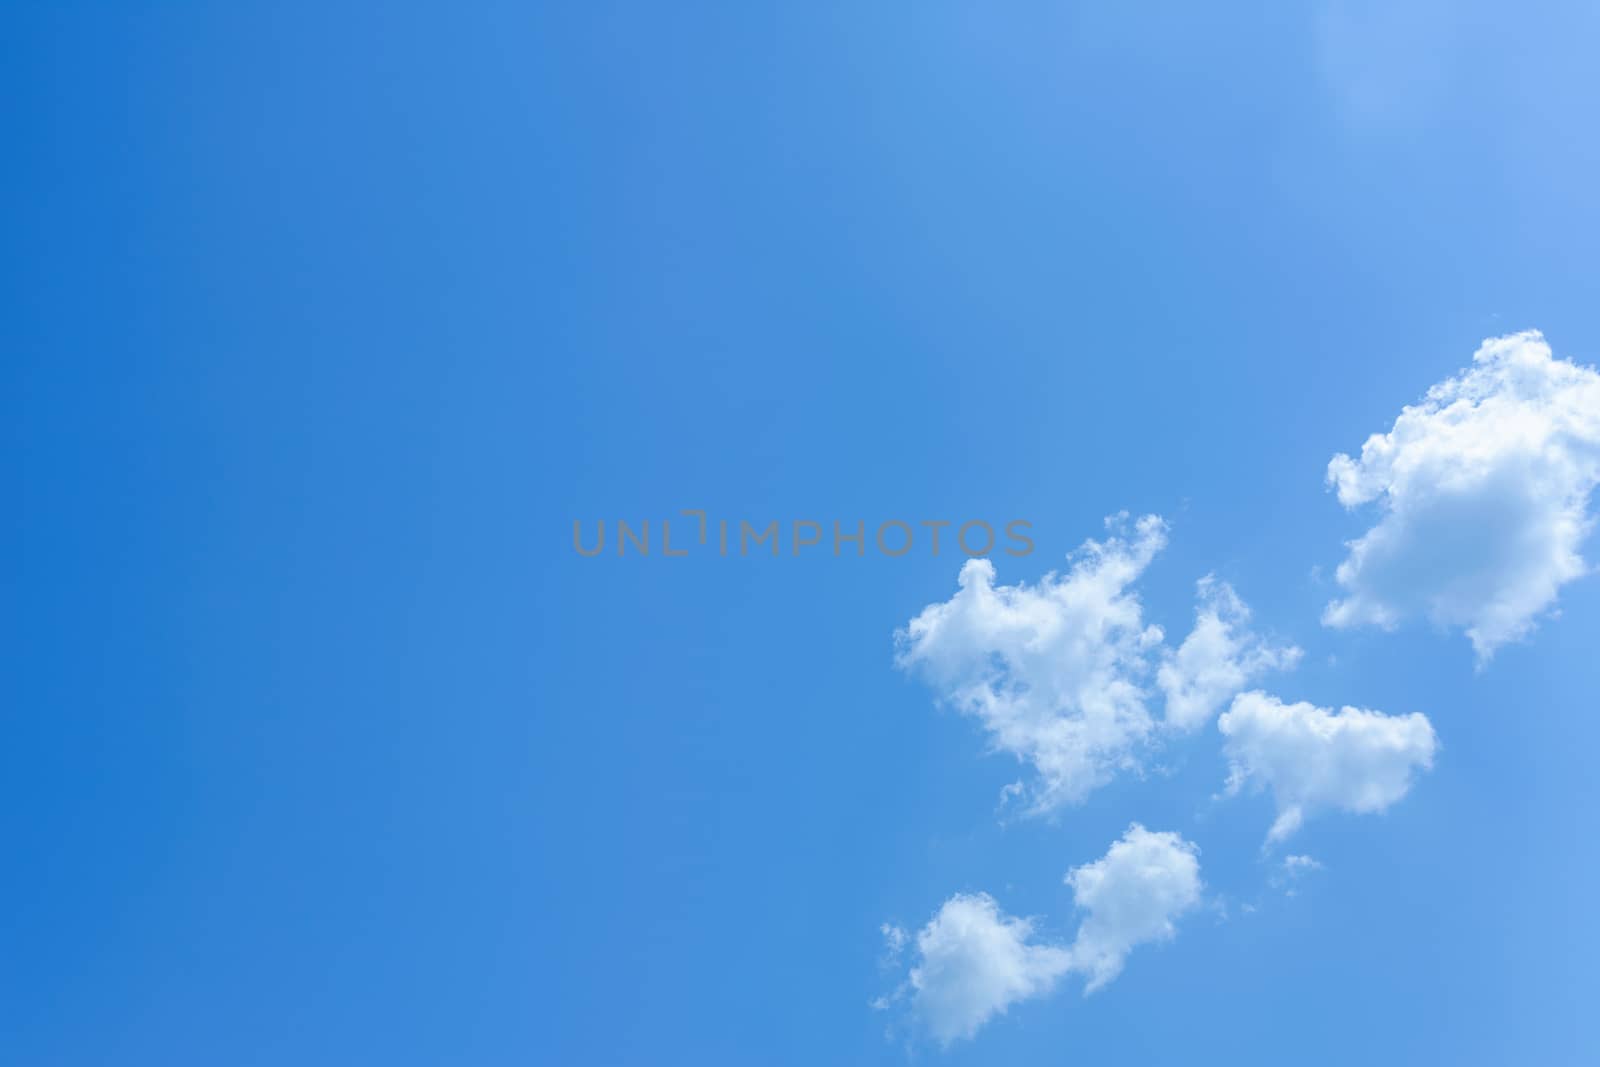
(1218, 658)
(1314, 759)
(1053, 671)
(1484, 490)
(1130, 896)
(973, 963)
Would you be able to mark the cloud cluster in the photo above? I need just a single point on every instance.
(1484, 495)
(974, 962)
(1483, 491)
(1057, 672)
(1314, 759)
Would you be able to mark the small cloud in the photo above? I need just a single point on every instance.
(1218, 658)
(973, 963)
(1290, 870)
(1131, 896)
(894, 943)
(1314, 759)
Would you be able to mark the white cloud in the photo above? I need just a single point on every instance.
(1313, 759)
(1131, 896)
(1484, 489)
(974, 962)
(1218, 658)
(1053, 671)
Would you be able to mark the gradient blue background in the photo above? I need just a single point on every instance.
(322, 322)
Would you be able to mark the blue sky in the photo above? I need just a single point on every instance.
(324, 323)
